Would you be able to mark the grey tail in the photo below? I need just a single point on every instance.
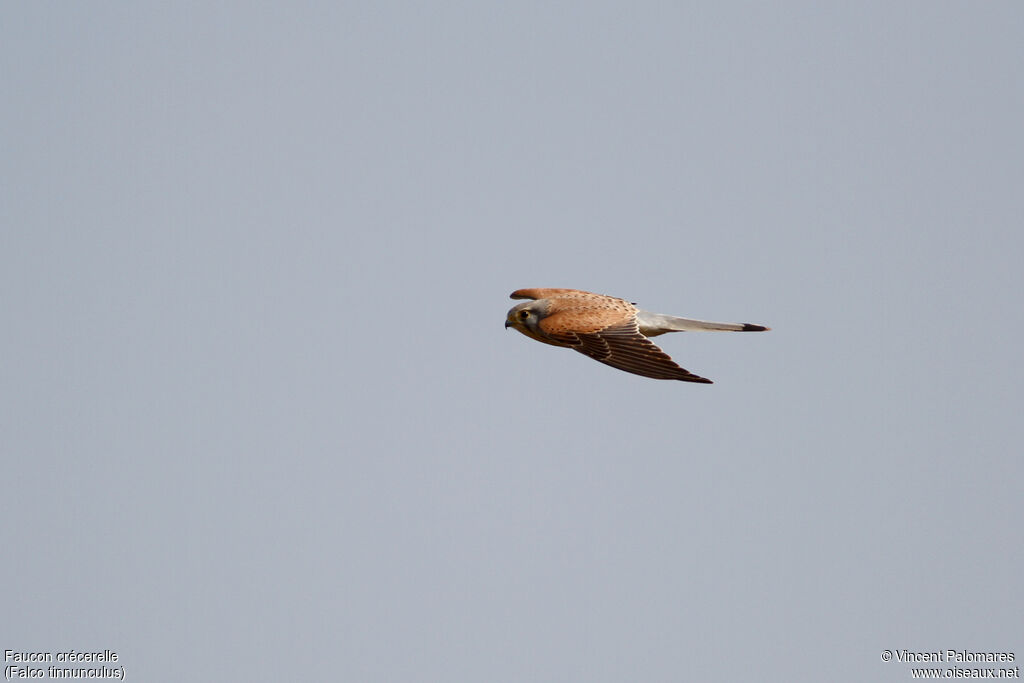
(653, 324)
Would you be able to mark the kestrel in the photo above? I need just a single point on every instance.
(609, 330)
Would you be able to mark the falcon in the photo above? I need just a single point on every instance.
(608, 329)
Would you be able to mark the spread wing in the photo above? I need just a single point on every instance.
(546, 292)
(622, 346)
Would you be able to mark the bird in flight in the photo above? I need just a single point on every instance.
(610, 330)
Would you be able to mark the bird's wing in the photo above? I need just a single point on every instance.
(622, 346)
(543, 292)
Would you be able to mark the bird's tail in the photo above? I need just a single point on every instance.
(653, 324)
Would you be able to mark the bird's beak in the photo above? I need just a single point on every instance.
(507, 324)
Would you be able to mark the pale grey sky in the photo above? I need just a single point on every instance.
(261, 420)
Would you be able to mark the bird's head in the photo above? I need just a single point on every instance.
(524, 317)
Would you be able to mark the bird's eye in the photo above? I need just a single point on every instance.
(523, 315)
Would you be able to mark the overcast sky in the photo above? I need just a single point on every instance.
(260, 419)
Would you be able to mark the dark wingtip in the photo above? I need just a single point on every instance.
(747, 327)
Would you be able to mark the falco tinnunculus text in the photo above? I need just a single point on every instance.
(610, 330)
